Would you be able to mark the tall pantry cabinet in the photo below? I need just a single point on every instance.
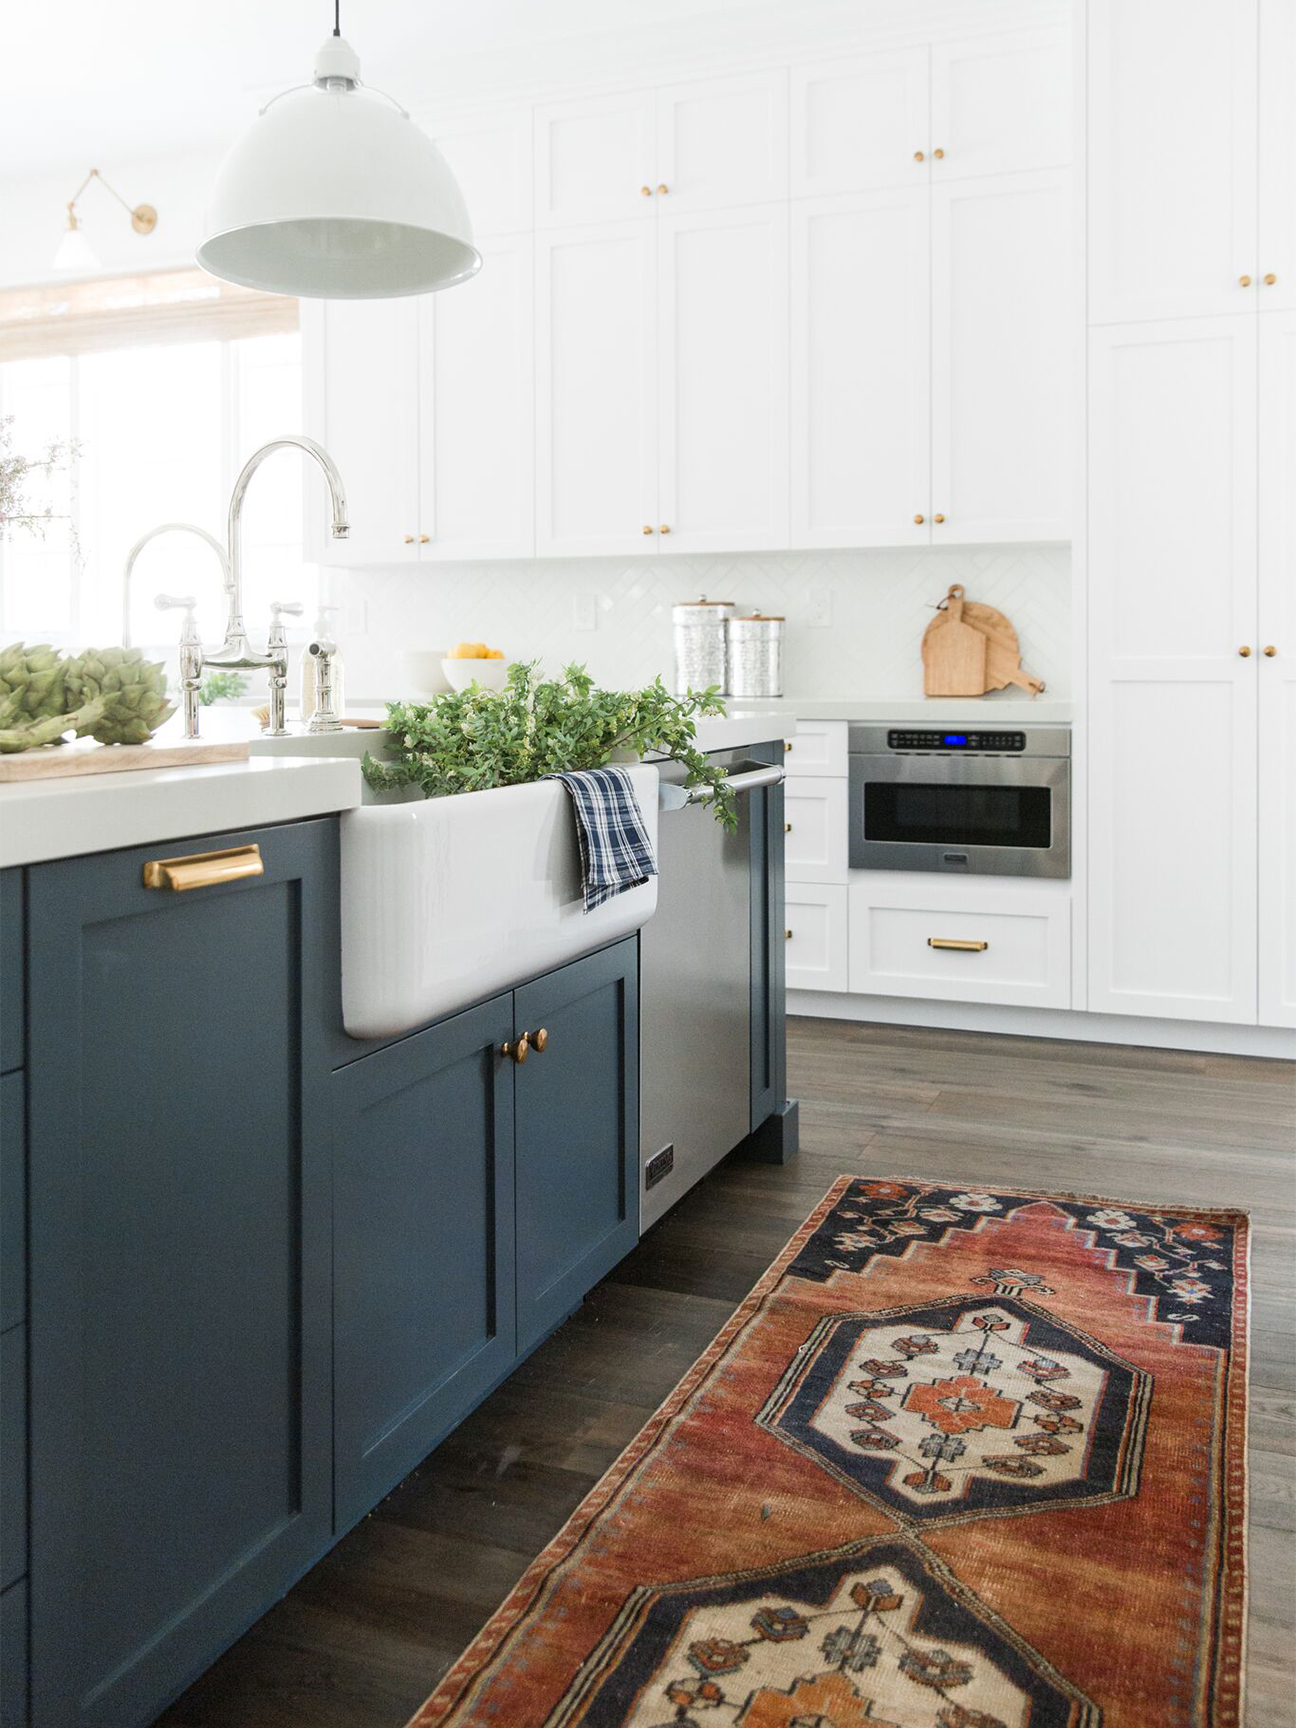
(1191, 538)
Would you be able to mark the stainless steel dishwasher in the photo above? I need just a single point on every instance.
(695, 970)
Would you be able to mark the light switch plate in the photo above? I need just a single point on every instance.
(819, 608)
(584, 611)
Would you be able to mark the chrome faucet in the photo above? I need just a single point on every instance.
(236, 652)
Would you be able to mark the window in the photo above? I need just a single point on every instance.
(163, 399)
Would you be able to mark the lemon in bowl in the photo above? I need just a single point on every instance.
(475, 663)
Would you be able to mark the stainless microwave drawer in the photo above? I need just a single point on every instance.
(973, 815)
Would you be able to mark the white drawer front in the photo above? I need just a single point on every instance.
(964, 944)
(816, 937)
(814, 843)
(818, 747)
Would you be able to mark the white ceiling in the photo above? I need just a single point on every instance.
(90, 81)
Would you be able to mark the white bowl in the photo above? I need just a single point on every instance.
(490, 674)
(420, 672)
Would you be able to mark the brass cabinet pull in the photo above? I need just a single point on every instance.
(787, 935)
(1270, 279)
(1244, 281)
(663, 190)
(519, 1051)
(1270, 651)
(1245, 651)
(539, 1039)
(647, 529)
(957, 946)
(787, 744)
(423, 539)
(920, 520)
(645, 191)
(918, 156)
(787, 827)
(938, 517)
(204, 869)
(665, 528)
(409, 539)
(939, 155)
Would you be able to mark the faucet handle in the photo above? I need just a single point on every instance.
(285, 609)
(185, 603)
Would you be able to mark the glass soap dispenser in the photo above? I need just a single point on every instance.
(310, 670)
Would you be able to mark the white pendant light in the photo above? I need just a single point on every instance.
(334, 193)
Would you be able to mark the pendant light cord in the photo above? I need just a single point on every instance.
(337, 17)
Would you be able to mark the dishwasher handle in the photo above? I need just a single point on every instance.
(749, 780)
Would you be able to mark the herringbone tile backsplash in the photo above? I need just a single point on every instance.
(854, 619)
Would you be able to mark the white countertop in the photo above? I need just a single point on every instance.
(42, 819)
(940, 710)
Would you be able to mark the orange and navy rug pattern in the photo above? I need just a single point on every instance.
(963, 1459)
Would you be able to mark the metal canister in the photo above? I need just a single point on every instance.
(756, 655)
(700, 643)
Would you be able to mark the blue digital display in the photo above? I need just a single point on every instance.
(956, 737)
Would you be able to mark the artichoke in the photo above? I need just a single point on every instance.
(34, 707)
(129, 691)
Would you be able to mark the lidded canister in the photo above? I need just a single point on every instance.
(700, 643)
(756, 655)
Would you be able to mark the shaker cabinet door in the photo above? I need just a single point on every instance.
(1172, 606)
(1001, 359)
(1001, 102)
(595, 160)
(577, 1133)
(722, 141)
(722, 378)
(423, 1245)
(1276, 668)
(861, 123)
(596, 418)
(861, 369)
(360, 368)
(179, 1264)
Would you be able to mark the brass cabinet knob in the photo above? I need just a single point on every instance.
(1244, 281)
(787, 744)
(939, 155)
(423, 539)
(409, 539)
(938, 517)
(787, 827)
(1270, 651)
(1244, 651)
(663, 190)
(918, 156)
(1270, 279)
(787, 935)
(647, 529)
(645, 191)
(665, 528)
(920, 520)
(539, 1039)
(519, 1051)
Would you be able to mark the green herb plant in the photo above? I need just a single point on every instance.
(471, 740)
(221, 687)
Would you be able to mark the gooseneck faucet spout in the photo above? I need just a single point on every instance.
(142, 542)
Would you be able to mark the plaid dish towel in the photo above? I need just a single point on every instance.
(615, 850)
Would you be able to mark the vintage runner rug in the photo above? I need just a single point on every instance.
(961, 1460)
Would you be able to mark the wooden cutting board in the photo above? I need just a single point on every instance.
(1003, 652)
(58, 761)
(954, 652)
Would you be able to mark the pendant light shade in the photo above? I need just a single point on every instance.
(333, 193)
(75, 252)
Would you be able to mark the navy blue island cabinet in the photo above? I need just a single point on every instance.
(253, 1272)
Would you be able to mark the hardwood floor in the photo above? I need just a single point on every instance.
(363, 1638)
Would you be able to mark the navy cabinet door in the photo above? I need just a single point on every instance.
(179, 1255)
(577, 1133)
(423, 1233)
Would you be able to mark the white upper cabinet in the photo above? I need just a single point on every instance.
(1001, 103)
(490, 156)
(596, 435)
(1172, 602)
(360, 364)
(595, 159)
(1001, 358)
(1276, 670)
(861, 397)
(476, 422)
(722, 142)
(861, 123)
(1276, 249)
(722, 309)
(1173, 158)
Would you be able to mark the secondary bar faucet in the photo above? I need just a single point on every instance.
(236, 652)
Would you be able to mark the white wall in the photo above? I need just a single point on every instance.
(876, 605)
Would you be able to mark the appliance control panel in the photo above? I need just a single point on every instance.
(996, 741)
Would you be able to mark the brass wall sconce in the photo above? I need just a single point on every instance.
(75, 251)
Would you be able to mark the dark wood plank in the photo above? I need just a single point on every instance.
(364, 1637)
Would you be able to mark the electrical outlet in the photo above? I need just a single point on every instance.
(585, 612)
(355, 620)
(819, 609)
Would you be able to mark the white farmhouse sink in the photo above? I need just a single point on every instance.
(449, 899)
